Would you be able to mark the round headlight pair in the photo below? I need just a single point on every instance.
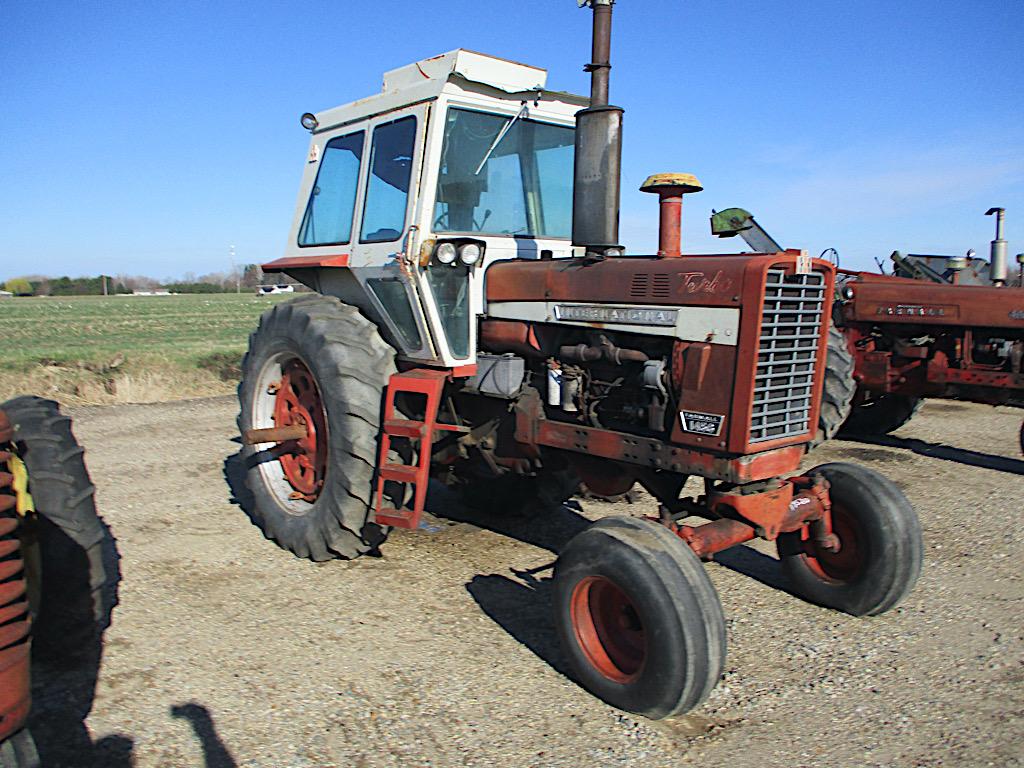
(467, 253)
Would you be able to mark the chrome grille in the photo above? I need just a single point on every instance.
(790, 334)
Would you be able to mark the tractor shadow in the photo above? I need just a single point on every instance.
(522, 607)
(519, 603)
(64, 681)
(944, 452)
(549, 528)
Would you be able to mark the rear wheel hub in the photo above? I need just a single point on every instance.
(297, 401)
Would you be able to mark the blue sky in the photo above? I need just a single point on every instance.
(145, 138)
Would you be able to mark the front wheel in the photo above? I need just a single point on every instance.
(880, 546)
(638, 617)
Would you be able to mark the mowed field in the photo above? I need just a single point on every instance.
(104, 349)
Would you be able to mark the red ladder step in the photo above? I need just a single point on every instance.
(423, 381)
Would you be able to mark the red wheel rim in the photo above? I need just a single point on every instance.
(846, 564)
(608, 629)
(297, 401)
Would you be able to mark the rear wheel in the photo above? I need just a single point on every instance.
(880, 546)
(839, 389)
(638, 617)
(69, 552)
(315, 362)
(881, 414)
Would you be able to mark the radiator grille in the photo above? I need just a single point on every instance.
(790, 334)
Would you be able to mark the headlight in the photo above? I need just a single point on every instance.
(847, 293)
(445, 253)
(469, 254)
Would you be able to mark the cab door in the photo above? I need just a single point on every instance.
(384, 230)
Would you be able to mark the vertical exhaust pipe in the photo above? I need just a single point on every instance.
(997, 254)
(598, 162)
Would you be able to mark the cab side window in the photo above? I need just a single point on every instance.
(328, 217)
(387, 188)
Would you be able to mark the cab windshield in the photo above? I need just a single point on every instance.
(504, 176)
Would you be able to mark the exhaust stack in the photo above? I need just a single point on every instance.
(998, 265)
(598, 161)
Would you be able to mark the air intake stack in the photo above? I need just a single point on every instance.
(598, 164)
(998, 268)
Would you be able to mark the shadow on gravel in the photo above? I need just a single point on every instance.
(522, 607)
(63, 687)
(946, 452)
(754, 565)
(234, 475)
(547, 529)
(215, 754)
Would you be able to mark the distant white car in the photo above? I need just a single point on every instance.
(267, 290)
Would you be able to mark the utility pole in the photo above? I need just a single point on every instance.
(234, 271)
(104, 284)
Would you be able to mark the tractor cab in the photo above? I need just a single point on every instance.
(407, 196)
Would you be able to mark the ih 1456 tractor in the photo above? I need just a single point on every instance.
(897, 340)
(477, 322)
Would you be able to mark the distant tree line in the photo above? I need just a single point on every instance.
(238, 279)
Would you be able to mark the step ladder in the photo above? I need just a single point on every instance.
(422, 381)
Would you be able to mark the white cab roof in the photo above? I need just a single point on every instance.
(427, 79)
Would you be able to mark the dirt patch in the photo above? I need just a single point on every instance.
(225, 650)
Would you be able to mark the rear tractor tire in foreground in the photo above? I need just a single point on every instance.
(317, 362)
(880, 546)
(638, 617)
(69, 552)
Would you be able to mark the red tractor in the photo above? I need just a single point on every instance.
(942, 327)
(477, 322)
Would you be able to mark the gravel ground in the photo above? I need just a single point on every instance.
(225, 650)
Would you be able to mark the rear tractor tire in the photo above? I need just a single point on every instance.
(638, 617)
(69, 552)
(880, 552)
(881, 414)
(318, 362)
(840, 387)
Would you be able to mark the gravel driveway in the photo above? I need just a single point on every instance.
(225, 650)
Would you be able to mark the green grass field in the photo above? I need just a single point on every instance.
(159, 337)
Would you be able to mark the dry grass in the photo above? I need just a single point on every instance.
(125, 349)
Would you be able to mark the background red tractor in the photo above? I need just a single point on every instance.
(941, 326)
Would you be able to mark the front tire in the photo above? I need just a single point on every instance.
(316, 361)
(880, 552)
(638, 617)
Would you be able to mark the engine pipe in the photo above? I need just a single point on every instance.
(597, 170)
(581, 353)
(997, 252)
(670, 188)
